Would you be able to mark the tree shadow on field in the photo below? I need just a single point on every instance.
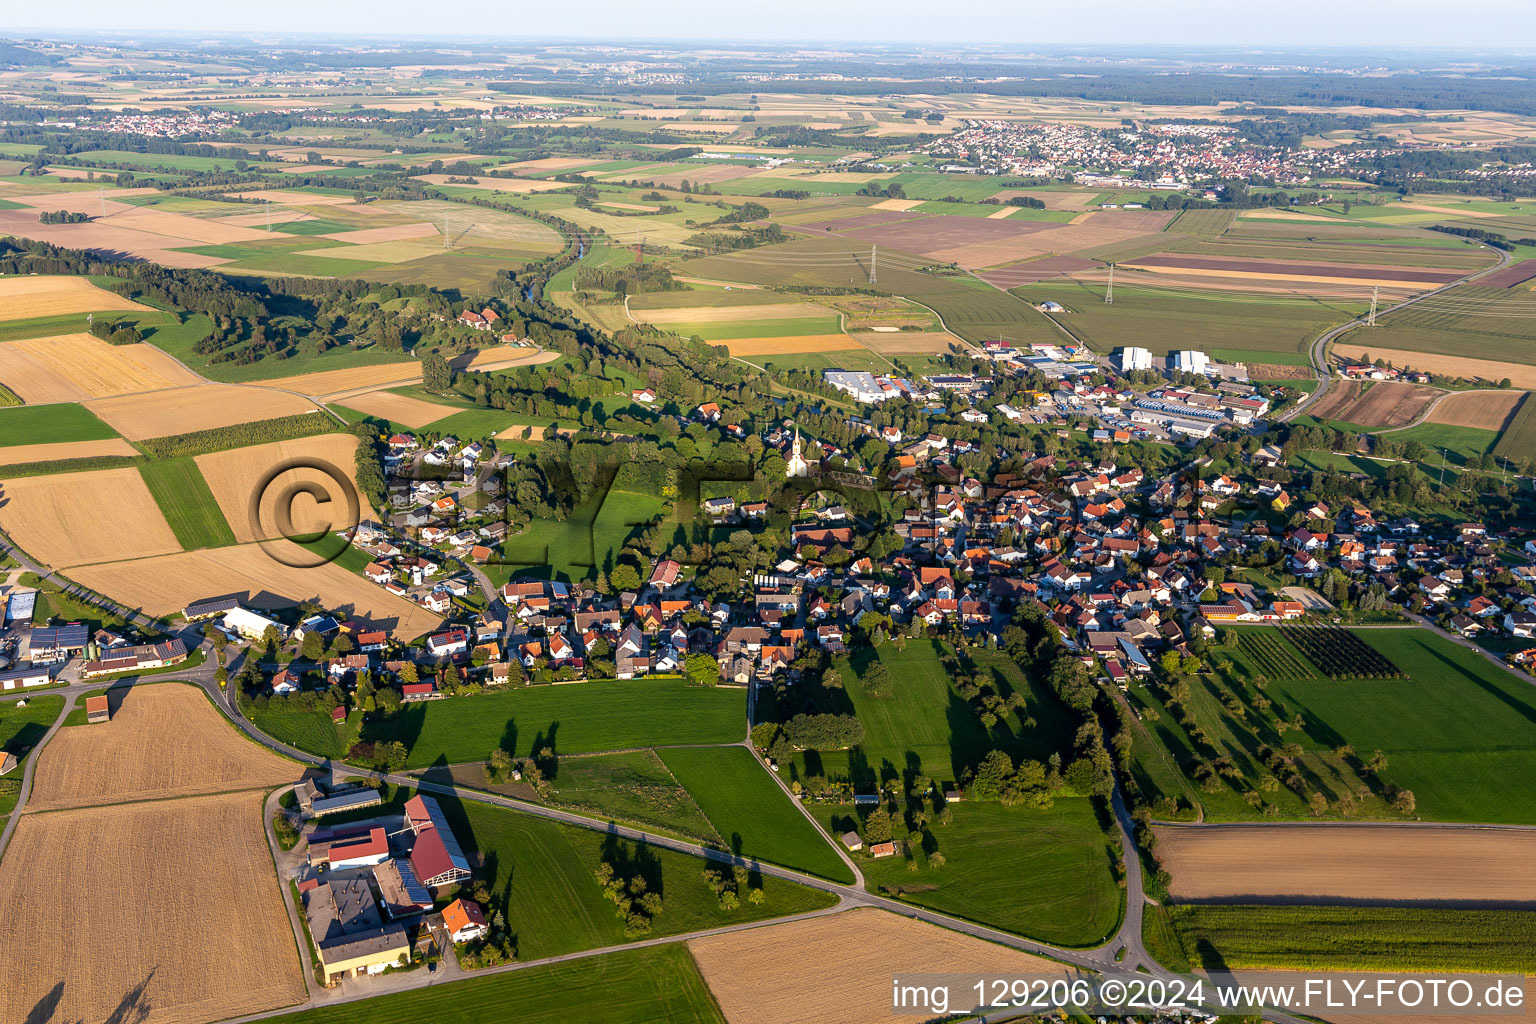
(43, 1012)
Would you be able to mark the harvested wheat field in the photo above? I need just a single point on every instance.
(908, 342)
(1390, 863)
(837, 969)
(1380, 405)
(398, 233)
(17, 454)
(179, 225)
(78, 518)
(731, 314)
(164, 740)
(791, 344)
(897, 204)
(1486, 410)
(329, 385)
(1521, 375)
(199, 407)
(175, 916)
(518, 185)
(164, 584)
(235, 475)
(74, 367)
(412, 412)
(25, 297)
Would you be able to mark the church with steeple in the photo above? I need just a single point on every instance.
(797, 465)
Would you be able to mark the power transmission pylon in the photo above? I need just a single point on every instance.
(1370, 320)
(1109, 292)
(101, 193)
(873, 256)
(639, 249)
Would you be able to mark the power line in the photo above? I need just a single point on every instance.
(1109, 290)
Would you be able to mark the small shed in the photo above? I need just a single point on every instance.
(878, 850)
(852, 841)
(97, 710)
(7, 763)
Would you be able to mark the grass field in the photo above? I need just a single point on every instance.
(749, 810)
(1458, 732)
(577, 547)
(579, 718)
(636, 986)
(632, 786)
(186, 502)
(1162, 320)
(1356, 938)
(50, 424)
(1071, 899)
(540, 873)
(308, 730)
(21, 729)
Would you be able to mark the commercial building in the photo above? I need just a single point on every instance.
(248, 624)
(1135, 359)
(1190, 361)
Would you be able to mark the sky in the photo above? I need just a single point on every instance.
(1345, 23)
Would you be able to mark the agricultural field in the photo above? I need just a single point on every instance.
(1478, 410)
(1443, 725)
(166, 764)
(75, 367)
(633, 786)
(64, 451)
(1488, 372)
(1233, 326)
(164, 584)
(1470, 321)
(80, 518)
(164, 740)
(25, 298)
(577, 718)
(1519, 438)
(749, 810)
(1356, 938)
(833, 969)
(233, 476)
(26, 427)
(1370, 864)
(632, 986)
(187, 503)
(1374, 405)
(189, 409)
(402, 409)
(21, 729)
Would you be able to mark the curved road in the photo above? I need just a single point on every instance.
(1319, 352)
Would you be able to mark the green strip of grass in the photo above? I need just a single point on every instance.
(636, 986)
(187, 503)
(749, 810)
(1357, 938)
(51, 424)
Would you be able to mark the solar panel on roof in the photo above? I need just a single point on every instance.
(414, 890)
(450, 843)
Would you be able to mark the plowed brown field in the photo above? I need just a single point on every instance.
(1382, 405)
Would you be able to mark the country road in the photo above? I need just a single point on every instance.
(1319, 350)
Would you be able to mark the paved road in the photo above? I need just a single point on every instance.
(1319, 352)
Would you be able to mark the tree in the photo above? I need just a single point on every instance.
(500, 764)
(877, 827)
(624, 577)
(271, 639)
(313, 646)
(1403, 801)
(703, 670)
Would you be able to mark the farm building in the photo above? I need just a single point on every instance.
(344, 800)
(136, 659)
(852, 841)
(21, 678)
(360, 852)
(19, 605)
(464, 921)
(248, 624)
(399, 891)
(436, 857)
(7, 763)
(51, 644)
(97, 709)
(209, 608)
(350, 934)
